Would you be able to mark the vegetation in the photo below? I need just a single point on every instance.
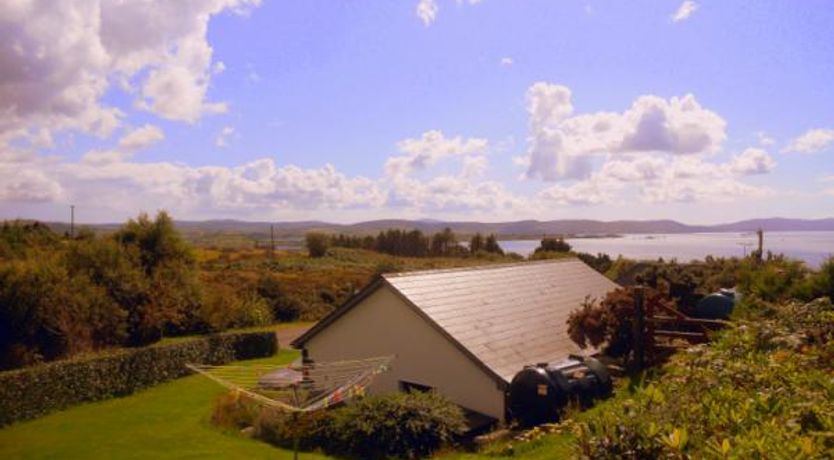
(761, 390)
(553, 244)
(60, 297)
(168, 421)
(317, 244)
(414, 243)
(609, 322)
(38, 390)
(401, 425)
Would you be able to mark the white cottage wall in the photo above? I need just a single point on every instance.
(383, 324)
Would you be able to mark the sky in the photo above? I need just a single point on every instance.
(699, 111)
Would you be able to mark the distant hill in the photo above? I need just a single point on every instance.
(505, 230)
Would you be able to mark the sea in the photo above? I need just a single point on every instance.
(811, 247)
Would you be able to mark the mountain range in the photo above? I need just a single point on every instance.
(505, 230)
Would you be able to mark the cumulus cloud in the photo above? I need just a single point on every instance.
(60, 58)
(428, 149)
(453, 194)
(115, 186)
(427, 11)
(506, 61)
(561, 143)
(142, 137)
(684, 11)
(811, 141)
(752, 161)
(222, 138)
(128, 145)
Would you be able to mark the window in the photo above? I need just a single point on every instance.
(411, 387)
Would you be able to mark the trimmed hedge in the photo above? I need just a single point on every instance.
(32, 392)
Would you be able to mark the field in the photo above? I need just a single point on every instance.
(170, 421)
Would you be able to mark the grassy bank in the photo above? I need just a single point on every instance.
(170, 421)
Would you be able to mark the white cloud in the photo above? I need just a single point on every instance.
(62, 57)
(752, 161)
(453, 194)
(128, 145)
(428, 149)
(222, 138)
(684, 11)
(587, 192)
(142, 137)
(765, 140)
(427, 11)
(812, 141)
(507, 61)
(561, 144)
(474, 166)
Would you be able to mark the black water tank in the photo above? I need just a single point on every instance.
(539, 393)
(718, 305)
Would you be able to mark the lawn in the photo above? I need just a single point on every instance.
(170, 421)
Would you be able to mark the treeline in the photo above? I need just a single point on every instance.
(405, 243)
(60, 296)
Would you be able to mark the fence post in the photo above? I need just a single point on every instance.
(639, 329)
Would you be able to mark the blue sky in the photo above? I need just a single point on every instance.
(450, 109)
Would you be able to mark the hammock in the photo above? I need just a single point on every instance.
(298, 388)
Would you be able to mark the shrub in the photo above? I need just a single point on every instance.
(45, 313)
(761, 390)
(39, 390)
(284, 307)
(235, 410)
(400, 425)
(317, 244)
(550, 244)
(609, 321)
(306, 430)
(775, 280)
(223, 308)
(600, 262)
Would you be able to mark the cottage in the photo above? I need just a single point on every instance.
(463, 332)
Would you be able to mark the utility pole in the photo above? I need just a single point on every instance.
(271, 240)
(72, 221)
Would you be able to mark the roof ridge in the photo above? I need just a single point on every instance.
(481, 267)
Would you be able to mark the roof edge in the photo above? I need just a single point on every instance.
(481, 267)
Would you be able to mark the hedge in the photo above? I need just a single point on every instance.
(35, 391)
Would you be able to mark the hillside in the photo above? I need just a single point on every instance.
(196, 230)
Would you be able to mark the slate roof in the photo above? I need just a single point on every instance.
(504, 316)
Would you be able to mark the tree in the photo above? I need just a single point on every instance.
(492, 246)
(317, 244)
(550, 244)
(444, 243)
(476, 243)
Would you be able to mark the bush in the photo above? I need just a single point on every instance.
(283, 307)
(306, 430)
(549, 244)
(609, 321)
(36, 391)
(317, 244)
(761, 390)
(399, 425)
(224, 308)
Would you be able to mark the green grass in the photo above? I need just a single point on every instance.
(170, 421)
